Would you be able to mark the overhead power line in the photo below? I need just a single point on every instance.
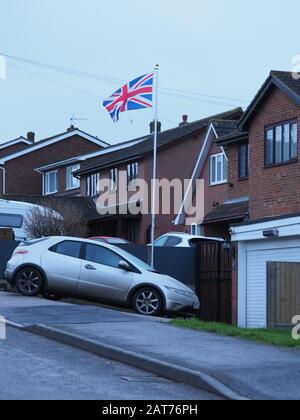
(78, 90)
(178, 93)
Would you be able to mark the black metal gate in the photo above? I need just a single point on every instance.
(214, 282)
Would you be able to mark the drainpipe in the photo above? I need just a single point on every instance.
(3, 180)
(43, 184)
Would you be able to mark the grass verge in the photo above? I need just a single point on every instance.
(276, 337)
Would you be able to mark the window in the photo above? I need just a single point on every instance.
(133, 172)
(100, 255)
(196, 229)
(218, 169)
(243, 161)
(113, 179)
(161, 241)
(68, 248)
(50, 183)
(11, 220)
(72, 182)
(92, 185)
(281, 143)
(173, 241)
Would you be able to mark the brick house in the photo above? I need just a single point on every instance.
(67, 185)
(221, 207)
(18, 167)
(263, 156)
(178, 150)
(16, 145)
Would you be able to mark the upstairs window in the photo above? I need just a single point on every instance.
(281, 143)
(50, 183)
(243, 161)
(72, 182)
(114, 180)
(218, 169)
(92, 185)
(132, 172)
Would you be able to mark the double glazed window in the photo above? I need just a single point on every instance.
(72, 182)
(243, 161)
(92, 185)
(133, 172)
(218, 169)
(113, 180)
(50, 183)
(281, 143)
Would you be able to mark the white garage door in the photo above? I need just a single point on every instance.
(258, 255)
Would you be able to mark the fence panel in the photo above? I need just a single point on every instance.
(179, 263)
(6, 250)
(283, 293)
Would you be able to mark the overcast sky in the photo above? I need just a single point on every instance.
(217, 48)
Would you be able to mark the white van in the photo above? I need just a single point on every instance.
(13, 215)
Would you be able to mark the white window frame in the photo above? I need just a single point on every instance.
(196, 229)
(132, 172)
(215, 175)
(113, 176)
(69, 177)
(46, 182)
(92, 185)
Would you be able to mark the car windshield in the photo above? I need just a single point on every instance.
(136, 261)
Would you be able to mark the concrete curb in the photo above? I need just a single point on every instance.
(166, 370)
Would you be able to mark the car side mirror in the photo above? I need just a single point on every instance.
(124, 266)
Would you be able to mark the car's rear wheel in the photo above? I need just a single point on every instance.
(148, 301)
(29, 282)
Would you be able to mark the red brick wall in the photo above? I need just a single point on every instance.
(20, 175)
(12, 149)
(273, 191)
(174, 162)
(236, 188)
(213, 193)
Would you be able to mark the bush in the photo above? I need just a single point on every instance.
(55, 218)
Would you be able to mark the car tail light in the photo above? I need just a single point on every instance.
(21, 252)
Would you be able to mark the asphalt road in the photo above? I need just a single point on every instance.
(33, 368)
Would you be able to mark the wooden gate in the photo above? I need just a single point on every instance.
(214, 282)
(283, 293)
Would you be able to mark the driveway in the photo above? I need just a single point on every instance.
(253, 370)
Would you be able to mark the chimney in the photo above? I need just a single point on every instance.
(31, 136)
(152, 127)
(184, 120)
(71, 128)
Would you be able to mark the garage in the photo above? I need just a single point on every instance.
(262, 248)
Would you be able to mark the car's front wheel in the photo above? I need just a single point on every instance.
(148, 301)
(29, 282)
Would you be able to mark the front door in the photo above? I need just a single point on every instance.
(101, 278)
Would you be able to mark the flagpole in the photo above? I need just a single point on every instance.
(155, 108)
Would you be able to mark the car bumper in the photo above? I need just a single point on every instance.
(8, 275)
(178, 303)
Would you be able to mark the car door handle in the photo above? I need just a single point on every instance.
(90, 267)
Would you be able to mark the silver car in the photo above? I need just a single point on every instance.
(71, 267)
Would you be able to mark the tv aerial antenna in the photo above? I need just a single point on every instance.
(73, 119)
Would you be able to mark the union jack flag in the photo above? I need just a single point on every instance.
(134, 95)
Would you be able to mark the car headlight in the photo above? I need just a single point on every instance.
(180, 292)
